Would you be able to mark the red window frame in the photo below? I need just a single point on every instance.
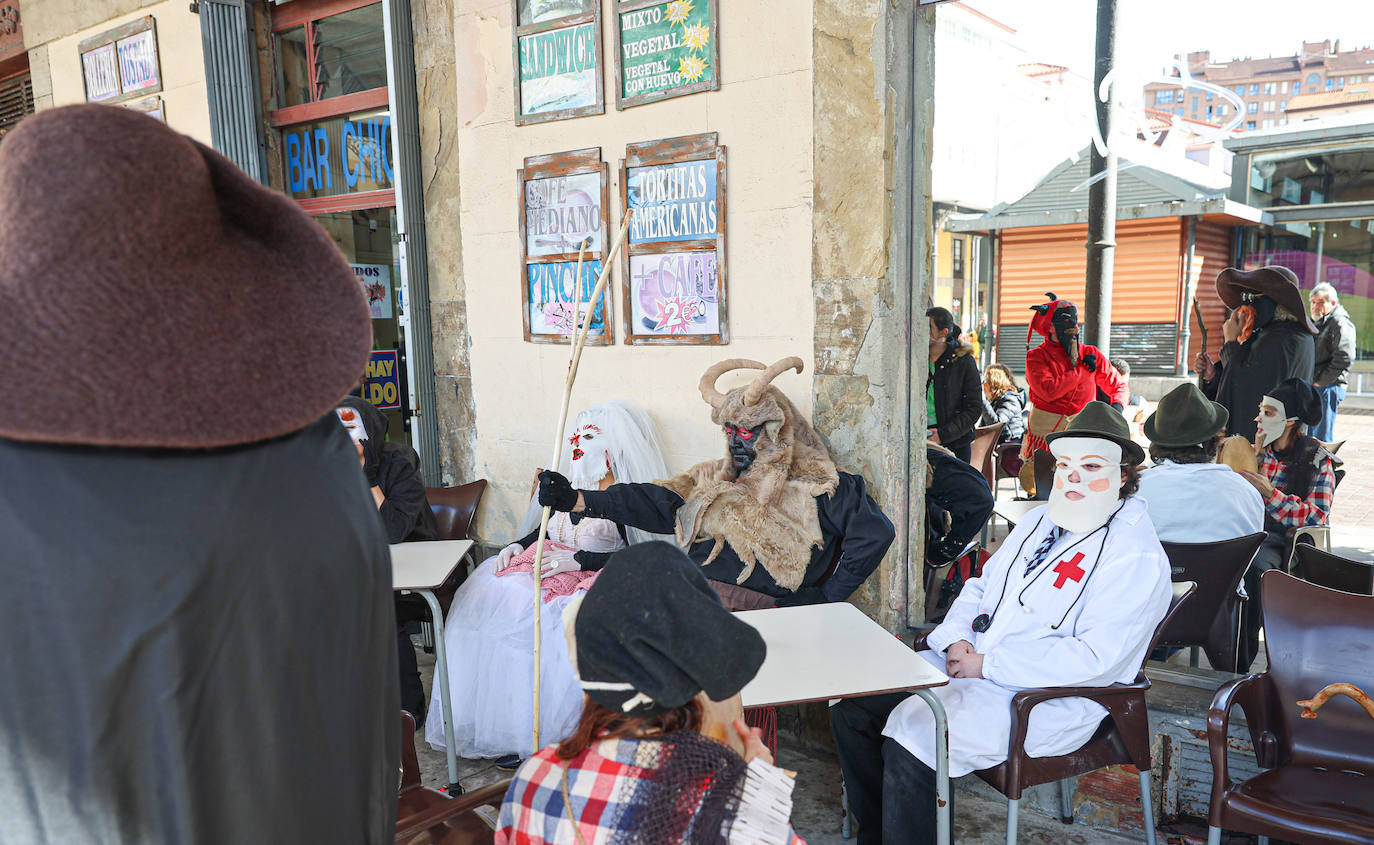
(306, 13)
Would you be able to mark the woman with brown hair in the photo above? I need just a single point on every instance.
(661, 753)
(1004, 402)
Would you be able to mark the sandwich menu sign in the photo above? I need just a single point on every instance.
(666, 49)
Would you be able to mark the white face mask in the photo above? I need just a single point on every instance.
(1087, 483)
(1273, 419)
(590, 459)
(353, 421)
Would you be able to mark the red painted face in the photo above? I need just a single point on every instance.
(742, 433)
(586, 432)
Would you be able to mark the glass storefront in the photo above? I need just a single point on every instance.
(1340, 252)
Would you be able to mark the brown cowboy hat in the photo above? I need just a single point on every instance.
(156, 296)
(1278, 283)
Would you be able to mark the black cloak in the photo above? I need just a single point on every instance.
(199, 645)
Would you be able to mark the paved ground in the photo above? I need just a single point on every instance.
(817, 815)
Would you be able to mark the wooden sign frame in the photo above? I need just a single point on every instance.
(553, 165)
(518, 32)
(111, 39)
(685, 149)
(713, 51)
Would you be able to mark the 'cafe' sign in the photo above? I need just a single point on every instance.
(338, 156)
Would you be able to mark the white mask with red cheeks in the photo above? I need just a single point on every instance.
(353, 422)
(1087, 483)
(590, 458)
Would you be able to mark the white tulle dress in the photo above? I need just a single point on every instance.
(489, 636)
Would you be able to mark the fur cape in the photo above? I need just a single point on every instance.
(768, 514)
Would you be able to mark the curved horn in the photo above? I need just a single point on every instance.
(707, 385)
(755, 390)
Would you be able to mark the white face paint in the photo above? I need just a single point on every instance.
(1273, 419)
(590, 458)
(1087, 483)
(353, 421)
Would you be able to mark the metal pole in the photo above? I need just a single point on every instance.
(1320, 229)
(1097, 304)
(1185, 333)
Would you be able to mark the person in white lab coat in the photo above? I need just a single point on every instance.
(1072, 598)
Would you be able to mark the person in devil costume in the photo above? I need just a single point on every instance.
(764, 522)
(1064, 375)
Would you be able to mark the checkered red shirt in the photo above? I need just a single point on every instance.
(600, 780)
(1291, 511)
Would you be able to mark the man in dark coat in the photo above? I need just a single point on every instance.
(197, 607)
(1335, 354)
(958, 504)
(1268, 338)
(954, 390)
(393, 477)
(765, 522)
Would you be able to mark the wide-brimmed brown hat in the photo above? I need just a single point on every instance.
(1278, 283)
(156, 296)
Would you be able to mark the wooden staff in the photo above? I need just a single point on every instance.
(578, 343)
(1201, 325)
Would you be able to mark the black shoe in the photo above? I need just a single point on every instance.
(508, 763)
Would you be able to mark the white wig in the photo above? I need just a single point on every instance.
(636, 455)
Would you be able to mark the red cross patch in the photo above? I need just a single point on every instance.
(1067, 569)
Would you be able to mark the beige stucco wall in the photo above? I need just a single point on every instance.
(763, 114)
(56, 64)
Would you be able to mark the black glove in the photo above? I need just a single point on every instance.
(944, 551)
(805, 595)
(555, 491)
(1118, 407)
(1089, 361)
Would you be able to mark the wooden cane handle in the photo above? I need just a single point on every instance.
(1313, 704)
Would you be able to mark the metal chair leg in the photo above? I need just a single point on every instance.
(1066, 787)
(1147, 807)
(846, 823)
(1213, 836)
(1192, 656)
(1013, 806)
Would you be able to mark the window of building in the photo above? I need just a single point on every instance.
(1221, 110)
(1355, 79)
(1271, 88)
(1209, 111)
(16, 102)
(1283, 105)
(1195, 102)
(1254, 89)
(1164, 98)
(1209, 96)
(1269, 124)
(956, 258)
(1269, 105)
(1251, 108)
(1330, 84)
(1283, 87)
(331, 57)
(1340, 82)
(1249, 124)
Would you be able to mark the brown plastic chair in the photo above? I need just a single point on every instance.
(1319, 783)
(1333, 571)
(455, 508)
(427, 816)
(981, 451)
(1122, 738)
(1044, 473)
(1212, 617)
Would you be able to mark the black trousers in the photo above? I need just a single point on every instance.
(1270, 556)
(891, 793)
(410, 611)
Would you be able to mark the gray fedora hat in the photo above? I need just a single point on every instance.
(1098, 419)
(1184, 417)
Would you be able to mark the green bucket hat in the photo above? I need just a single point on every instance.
(1098, 419)
(1184, 417)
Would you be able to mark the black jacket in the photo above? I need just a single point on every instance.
(199, 645)
(1247, 371)
(958, 396)
(1335, 348)
(958, 504)
(1010, 410)
(394, 467)
(849, 518)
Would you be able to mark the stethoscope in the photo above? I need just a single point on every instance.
(983, 621)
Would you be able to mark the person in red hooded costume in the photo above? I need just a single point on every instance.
(1063, 376)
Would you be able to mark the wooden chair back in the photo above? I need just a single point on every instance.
(455, 508)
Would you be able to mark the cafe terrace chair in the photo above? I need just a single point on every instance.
(1212, 617)
(455, 508)
(426, 816)
(981, 451)
(1316, 535)
(1318, 778)
(1333, 571)
(1123, 737)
